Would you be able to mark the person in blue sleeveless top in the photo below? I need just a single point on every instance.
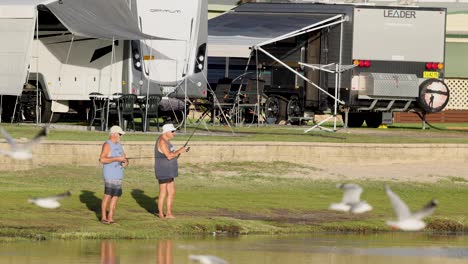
(114, 161)
(166, 168)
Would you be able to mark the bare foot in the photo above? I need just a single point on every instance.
(161, 216)
(104, 221)
(170, 216)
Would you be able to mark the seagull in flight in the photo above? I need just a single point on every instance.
(207, 259)
(49, 202)
(21, 151)
(351, 201)
(408, 221)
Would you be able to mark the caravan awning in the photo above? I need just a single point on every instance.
(103, 19)
(234, 33)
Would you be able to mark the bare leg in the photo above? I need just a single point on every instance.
(162, 196)
(113, 205)
(169, 252)
(105, 202)
(170, 199)
(161, 256)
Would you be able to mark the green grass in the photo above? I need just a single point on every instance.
(398, 133)
(246, 198)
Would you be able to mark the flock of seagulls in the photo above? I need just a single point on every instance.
(406, 220)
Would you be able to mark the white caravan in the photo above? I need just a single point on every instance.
(374, 59)
(160, 49)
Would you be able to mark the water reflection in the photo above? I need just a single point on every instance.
(390, 248)
(108, 253)
(165, 252)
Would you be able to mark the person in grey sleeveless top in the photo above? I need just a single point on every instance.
(114, 161)
(166, 168)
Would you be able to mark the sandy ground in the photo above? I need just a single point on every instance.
(409, 171)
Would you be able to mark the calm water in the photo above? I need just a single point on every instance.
(398, 248)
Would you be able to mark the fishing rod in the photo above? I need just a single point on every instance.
(185, 145)
(141, 158)
(190, 137)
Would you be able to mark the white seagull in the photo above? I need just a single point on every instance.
(49, 202)
(21, 151)
(207, 259)
(406, 220)
(351, 201)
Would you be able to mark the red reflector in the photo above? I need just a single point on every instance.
(367, 64)
(428, 65)
(434, 66)
(361, 63)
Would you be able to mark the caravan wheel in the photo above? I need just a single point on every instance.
(294, 110)
(374, 119)
(275, 109)
(272, 107)
(354, 119)
(27, 108)
(47, 115)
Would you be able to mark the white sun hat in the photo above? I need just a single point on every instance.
(168, 128)
(116, 129)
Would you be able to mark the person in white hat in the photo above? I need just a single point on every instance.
(166, 168)
(114, 160)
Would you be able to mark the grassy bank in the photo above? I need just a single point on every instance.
(245, 198)
(398, 133)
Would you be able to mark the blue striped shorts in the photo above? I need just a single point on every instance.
(113, 187)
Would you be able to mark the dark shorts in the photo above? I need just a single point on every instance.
(113, 187)
(165, 180)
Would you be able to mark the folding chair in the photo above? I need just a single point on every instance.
(150, 110)
(98, 112)
(126, 108)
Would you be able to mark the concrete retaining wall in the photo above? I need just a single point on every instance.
(87, 153)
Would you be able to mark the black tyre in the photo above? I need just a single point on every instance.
(47, 115)
(294, 110)
(272, 109)
(354, 119)
(374, 119)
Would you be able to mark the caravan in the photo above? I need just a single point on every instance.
(75, 48)
(371, 60)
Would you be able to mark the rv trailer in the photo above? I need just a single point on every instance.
(389, 58)
(69, 64)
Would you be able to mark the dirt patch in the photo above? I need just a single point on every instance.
(414, 171)
(406, 171)
(285, 216)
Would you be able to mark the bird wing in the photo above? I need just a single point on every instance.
(207, 259)
(401, 209)
(351, 193)
(9, 139)
(426, 211)
(40, 136)
(60, 196)
(5, 152)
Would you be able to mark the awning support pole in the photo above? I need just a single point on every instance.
(110, 85)
(337, 72)
(297, 73)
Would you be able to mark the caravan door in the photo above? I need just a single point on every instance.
(17, 24)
